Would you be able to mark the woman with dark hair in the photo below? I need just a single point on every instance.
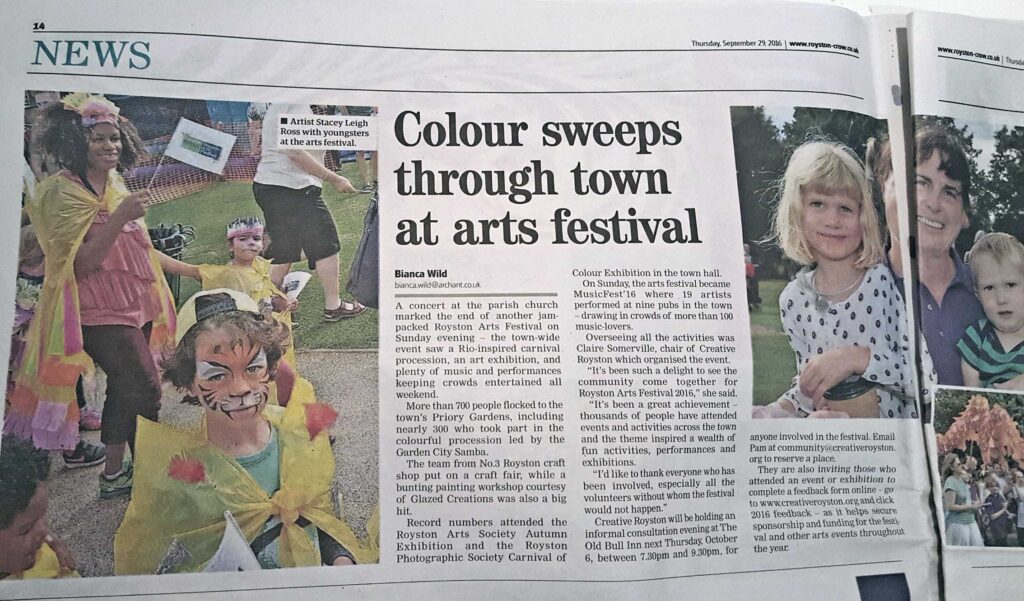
(104, 297)
(961, 525)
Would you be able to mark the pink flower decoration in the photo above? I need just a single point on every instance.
(92, 107)
(187, 470)
(319, 417)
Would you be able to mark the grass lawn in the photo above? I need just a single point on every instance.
(774, 362)
(210, 210)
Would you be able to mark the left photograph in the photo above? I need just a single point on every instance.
(193, 373)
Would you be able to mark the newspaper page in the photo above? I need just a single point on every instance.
(968, 78)
(579, 287)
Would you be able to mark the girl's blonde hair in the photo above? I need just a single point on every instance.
(828, 168)
(29, 251)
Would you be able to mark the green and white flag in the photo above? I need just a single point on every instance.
(200, 146)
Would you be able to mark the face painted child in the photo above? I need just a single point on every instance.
(232, 375)
(226, 357)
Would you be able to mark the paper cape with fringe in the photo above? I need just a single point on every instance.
(42, 405)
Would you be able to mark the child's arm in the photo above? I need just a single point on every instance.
(176, 267)
(791, 400)
(64, 557)
(832, 367)
(885, 336)
(281, 303)
(971, 376)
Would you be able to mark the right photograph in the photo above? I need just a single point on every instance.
(980, 450)
(970, 194)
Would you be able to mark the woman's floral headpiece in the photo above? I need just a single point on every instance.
(93, 108)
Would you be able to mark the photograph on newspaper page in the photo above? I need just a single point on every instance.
(828, 322)
(539, 386)
(969, 177)
(980, 455)
(196, 324)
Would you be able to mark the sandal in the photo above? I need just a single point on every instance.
(343, 312)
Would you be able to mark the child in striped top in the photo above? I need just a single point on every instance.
(992, 350)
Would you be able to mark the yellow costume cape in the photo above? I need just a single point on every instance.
(254, 281)
(163, 509)
(46, 566)
(42, 405)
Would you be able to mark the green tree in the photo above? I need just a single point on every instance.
(1003, 196)
(949, 404)
(850, 129)
(759, 161)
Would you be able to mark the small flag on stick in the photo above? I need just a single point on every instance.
(200, 146)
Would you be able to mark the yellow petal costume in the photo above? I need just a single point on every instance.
(164, 509)
(42, 405)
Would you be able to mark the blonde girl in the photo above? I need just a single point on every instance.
(842, 313)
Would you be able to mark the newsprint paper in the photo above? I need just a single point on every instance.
(520, 300)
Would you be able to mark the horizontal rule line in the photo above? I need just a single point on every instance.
(436, 49)
(182, 593)
(480, 295)
(977, 62)
(403, 91)
(982, 106)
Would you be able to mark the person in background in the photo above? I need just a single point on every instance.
(946, 285)
(1018, 493)
(997, 516)
(367, 168)
(288, 189)
(27, 549)
(28, 287)
(961, 523)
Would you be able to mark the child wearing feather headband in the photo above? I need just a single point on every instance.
(248, 272)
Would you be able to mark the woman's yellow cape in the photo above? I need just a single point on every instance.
(164, 509)
(42, 406)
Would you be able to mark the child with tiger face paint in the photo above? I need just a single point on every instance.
(271, 467)
(232, 377)
(225, 360)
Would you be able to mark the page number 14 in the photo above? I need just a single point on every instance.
(38, 26)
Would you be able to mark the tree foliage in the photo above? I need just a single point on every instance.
(762, 152)
(1001, 193)
(759, 154)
